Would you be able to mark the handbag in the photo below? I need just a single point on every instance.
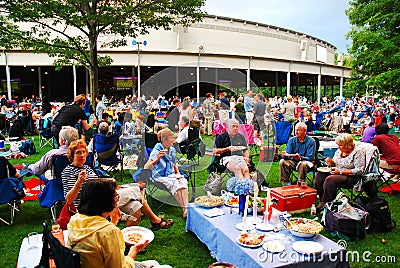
(213, 183)
(66, 213)
(348, 222)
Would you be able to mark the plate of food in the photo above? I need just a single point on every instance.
(238, 148)
(324, 169)
(252, 240)
(274, 246)
(134, 234)
(209, 202)
(232, 201)
(303, 227)
(308, 247)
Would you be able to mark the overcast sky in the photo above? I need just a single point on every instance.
(324, 19)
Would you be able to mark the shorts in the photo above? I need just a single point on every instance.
(173, 184)
(238, 159)
(129, 199)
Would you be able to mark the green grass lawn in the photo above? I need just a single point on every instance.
(175, 246)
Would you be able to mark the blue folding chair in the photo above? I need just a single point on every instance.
(11, 190)
(45, 134)
(107, 152)
(52, 195)
(283, 130)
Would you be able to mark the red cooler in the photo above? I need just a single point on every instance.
(293, 198)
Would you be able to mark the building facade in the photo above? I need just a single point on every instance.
(216, 54)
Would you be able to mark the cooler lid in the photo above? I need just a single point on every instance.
(292, 190)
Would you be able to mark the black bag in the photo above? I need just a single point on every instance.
(380, 216)
(28, 147)
(213, 183)
(340, 225)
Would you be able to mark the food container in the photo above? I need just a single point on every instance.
(293, 198)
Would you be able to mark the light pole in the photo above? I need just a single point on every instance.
(201, 49)
(138, 43)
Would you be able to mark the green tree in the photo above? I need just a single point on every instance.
(71, 30)
(375, 46)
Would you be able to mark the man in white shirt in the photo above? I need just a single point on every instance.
(99, 107)
(184, 126)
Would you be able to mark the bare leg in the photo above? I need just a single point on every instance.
(135, 222)
(244, 170)
(149, 213)
(232, 166)
(182, 196)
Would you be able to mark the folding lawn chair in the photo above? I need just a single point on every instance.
(52, 195)
(53, 250)
(107, 153)
(370, 177)
(11, 190)
(45, 134)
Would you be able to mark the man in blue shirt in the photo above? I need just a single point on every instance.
(299, 154)
(248, 106)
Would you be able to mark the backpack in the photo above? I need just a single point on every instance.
(380, 216)
(28, 147)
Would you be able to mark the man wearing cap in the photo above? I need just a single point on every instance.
(224, 107)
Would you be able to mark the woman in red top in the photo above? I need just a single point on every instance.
(388, 146)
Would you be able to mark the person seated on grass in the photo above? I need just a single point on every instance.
(369, 133)
(231, 150)
(163, 163)
(67, 136)
(131, 201)
(299, 154)
(98, 240)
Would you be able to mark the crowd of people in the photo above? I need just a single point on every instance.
(101, 203)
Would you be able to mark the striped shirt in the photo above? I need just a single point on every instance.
(70, 175)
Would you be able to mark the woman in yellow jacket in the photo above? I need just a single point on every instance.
(98, 240)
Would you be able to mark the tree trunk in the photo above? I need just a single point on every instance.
(94, 70)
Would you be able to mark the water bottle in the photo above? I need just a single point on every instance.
(313, 209)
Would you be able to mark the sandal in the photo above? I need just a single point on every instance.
(163, 224)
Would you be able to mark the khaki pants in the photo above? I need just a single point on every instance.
(287, 166)
(249, 117)
(208, 121)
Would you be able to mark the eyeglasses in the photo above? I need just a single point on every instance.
(234, 126)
